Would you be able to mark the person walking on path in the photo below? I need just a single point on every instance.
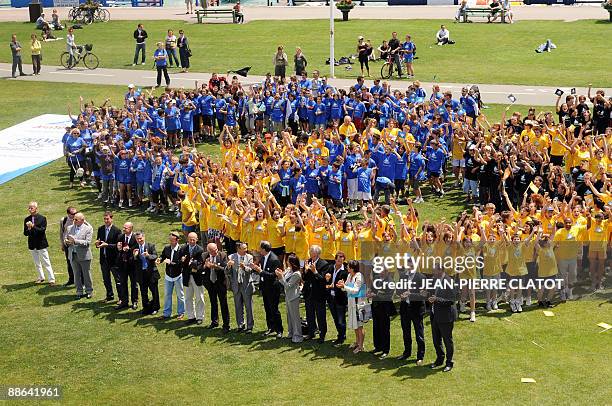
(16, 52)
(140, 35)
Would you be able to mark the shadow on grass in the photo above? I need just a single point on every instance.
(57, 300)
(18, 286)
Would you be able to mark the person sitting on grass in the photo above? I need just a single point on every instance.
(443, 36)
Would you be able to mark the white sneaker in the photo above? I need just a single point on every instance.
(461, 307)
(528, 301)
(99, 195)
(130, 203)
(441, 192)
(494, 306)
(472, 317)
(120, 203)
(142, 63)
(489, 306)
(519, 308)
(513, 305)
(133, 64)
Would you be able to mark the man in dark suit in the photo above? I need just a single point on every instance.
(412, 311)
(193, 279)
(215, 281)
(337, 298)
(145, 255)
(315, 293)
(35, 228)
(106, 242)
(125, 247)
(443, 314)
(270, 288)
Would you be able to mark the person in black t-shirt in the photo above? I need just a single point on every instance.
(395, 50)
(472, 168)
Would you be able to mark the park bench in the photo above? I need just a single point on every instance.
(216, 13)
(480, 11)
(147, 3)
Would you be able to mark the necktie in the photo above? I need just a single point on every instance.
(171, 254)
(265, 260)
(190, 251)
(213, 273)
(142, 257)
(240, 270)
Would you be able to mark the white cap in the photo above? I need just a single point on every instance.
(131, 86)
(360, 37)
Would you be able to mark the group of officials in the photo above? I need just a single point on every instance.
(132, 262)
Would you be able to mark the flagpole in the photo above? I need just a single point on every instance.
(331, 39)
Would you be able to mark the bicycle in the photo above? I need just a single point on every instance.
(90, 60)
(386, 71)
(101, 15)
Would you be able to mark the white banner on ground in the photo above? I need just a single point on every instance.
(31, 144)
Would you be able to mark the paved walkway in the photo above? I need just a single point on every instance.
(529, 95)
(536, 12)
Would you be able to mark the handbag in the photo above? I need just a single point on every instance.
(364, 311)
(189, 54)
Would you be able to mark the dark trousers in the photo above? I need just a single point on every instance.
(164, 70)
(409, 319)
(127, 271)
(140, 48)
(35, 64)
(443, 332)
(149, 283)
(184, 58)
(279, 70)
(398, 63)
(17, 64)
(108, 270)
(218, 299)
(69, 267)
(381, 326)
(338, 312)
(230, 246)
(316, 317)
(271, 297)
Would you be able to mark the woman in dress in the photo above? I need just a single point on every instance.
(300, 62)
(356, 289)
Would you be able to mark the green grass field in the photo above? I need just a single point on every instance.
(484, 53)
(100, 356)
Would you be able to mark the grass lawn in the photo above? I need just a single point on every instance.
(104, 357)
(484, 53)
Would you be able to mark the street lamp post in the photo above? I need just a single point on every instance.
(331, 40)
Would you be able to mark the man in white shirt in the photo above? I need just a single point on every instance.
(173, 279)
(443, 36)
